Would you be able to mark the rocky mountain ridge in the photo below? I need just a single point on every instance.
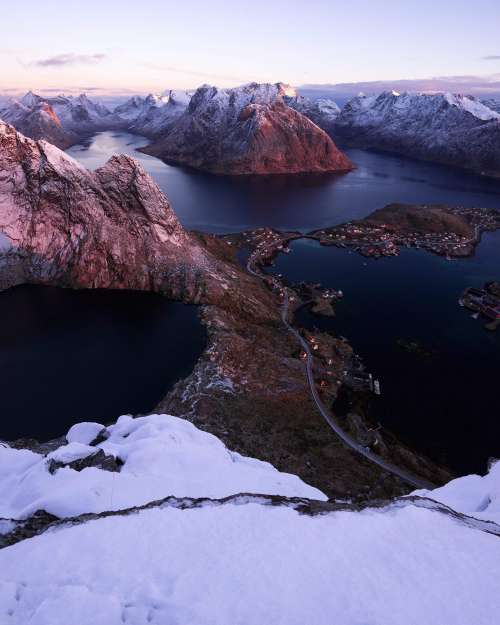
(112, 228)
(248, 130)
(445, 128)
(61, 120)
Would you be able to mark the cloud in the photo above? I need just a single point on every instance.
(60, 60)
(491, 57)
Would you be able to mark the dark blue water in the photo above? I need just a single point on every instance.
(67, 356)
(224, 204)
(448, 403)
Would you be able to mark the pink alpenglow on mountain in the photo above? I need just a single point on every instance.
(61, 224)
(248, 130)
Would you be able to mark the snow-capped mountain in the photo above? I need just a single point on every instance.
(151, 520)
(131, 109)
(160, 112)
(452, 129)
(492, 104)
(322, 112)
(61, 120)
(35, 118)
(110, 228)
(81, 114)
(246, 130)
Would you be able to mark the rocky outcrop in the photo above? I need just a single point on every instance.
(158, 113)
(112, 228)
(444, 128)
(248, 130)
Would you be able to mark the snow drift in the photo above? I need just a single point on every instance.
(240, 560)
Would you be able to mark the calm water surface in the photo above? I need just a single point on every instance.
(447, 402)
(67, 356)
(231, 204)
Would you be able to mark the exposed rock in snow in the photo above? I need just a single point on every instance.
(492, 104)
(82, 115)
(451, 129)
(245, 558)
(322, 112)
(158, 113)
(248, 130)
(131, 109)
(473, 494)
(161, 456)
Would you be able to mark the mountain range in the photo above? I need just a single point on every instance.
(444, 128)
(270, 128)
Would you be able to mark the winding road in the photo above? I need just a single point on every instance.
(409, 478)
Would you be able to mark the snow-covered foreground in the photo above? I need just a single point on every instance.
(162, 456)
(474, 495)
(240, 562)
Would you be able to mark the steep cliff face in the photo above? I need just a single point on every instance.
(112, 228)
(445, 128)
(248, 130)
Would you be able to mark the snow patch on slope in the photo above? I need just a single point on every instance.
(474, 495)
(254, 564)
(162, 456)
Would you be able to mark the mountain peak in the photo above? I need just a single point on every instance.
(30, 99)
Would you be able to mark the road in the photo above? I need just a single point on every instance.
(409, 478)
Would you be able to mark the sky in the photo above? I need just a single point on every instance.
(110, 46)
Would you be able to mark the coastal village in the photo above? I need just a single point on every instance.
(335, 361)
(451, 232)
(376, 239)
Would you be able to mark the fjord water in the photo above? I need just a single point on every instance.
(443, 398)
(68, 356)
(231, 204)
(445, 403)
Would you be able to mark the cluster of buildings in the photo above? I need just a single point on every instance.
(378, 240)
